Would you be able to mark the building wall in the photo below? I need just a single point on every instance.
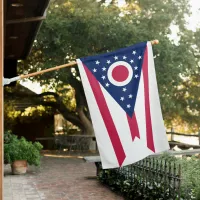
(36, 128)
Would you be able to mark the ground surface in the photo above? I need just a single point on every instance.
(56, 179)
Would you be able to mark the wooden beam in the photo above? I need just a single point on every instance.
(1, 94)
(182, 134)
(31, 19)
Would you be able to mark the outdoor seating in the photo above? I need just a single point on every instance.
(72, 142)
(63, 141)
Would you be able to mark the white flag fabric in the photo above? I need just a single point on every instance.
(122, 95)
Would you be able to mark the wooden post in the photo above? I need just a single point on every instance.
(1, 94)
(172, 135)
(199, 136)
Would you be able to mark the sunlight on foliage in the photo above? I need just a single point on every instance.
(34, 111)
(10, 114)
(67, 94)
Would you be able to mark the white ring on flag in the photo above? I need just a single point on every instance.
(120, 83)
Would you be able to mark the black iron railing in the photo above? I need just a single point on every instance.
(150, 178)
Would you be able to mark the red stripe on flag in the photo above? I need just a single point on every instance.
(106, 116)
(149, 131)
(133, 126)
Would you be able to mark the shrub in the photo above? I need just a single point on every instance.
(21, 149)
(190, 173)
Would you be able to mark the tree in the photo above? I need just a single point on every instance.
(76, 29)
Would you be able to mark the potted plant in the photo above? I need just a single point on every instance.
(20, 152)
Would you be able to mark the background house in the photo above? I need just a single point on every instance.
(28, 120)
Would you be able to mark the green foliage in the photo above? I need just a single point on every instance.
(21, 149)
(67, 95)
(75, 28)
(9, 137)
(10, 115)
(191, 176)
(136, 189)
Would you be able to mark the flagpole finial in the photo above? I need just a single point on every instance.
(154, 42)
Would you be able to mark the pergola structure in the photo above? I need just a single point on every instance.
(20, 21)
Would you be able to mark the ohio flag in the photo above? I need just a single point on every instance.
(122, 95)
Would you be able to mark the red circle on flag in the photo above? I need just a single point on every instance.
(120, 73)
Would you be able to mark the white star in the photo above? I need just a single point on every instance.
(107, 84)
(134, 52)
(94, 70)
(108, 61)
(130, 96)
(104, 69)
(135, 67)
(116, 57)
(103, 77)
(140, 57)
(97, 62)
(122, 98)
(136, 76)
(128, 106)
(131, 61)
(124, 57)
(124, 89)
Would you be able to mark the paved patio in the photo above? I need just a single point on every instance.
(56, 179)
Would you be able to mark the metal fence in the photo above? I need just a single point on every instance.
(161, 179)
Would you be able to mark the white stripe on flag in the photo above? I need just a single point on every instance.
(159, 132)
(138, 150)
(120, 120)
(106, 150)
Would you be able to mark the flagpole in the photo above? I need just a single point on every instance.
(7, 81)
(48, 70)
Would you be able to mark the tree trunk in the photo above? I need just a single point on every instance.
(88, 127)
(58, 122)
